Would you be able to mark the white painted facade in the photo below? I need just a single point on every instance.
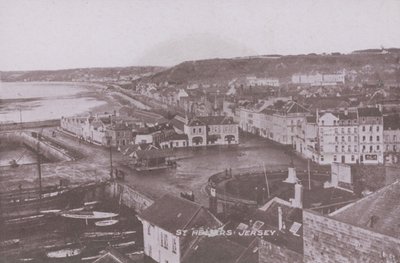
(162, 246)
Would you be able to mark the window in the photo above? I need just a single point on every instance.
(177, 144)
(174, 246)
(336, 148)
(342, 138)
(349, 148)
(355, 138)
(370, 128)
(355, 148)
(323, 122)
(363, 138)
(322, 148)
(149, 230)
(363, 148)
(371, 148)
(377, 147)
(199, 130)
(342, 130)
(336, 130)
(370, 138)
(363, 128)
(194, 130)
(349, 138)
(322, 158)
(377, 128)
(352, 158)
(355, 129)
(164, 240)
(184, 143)
(377, 138)
(348, 130)
(334, 158)
(336, 138)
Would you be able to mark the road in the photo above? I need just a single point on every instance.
(194, 167)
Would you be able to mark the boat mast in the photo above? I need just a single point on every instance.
(39, 168)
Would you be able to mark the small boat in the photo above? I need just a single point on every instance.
(89, 215)
(125, 244)
(106, 222)
(52, 211)
(9, 243)
(90, 258)
(64, 253)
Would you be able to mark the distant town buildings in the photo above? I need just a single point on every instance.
(319, 79)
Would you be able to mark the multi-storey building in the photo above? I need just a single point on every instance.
(211, 130)
(337, 138)
(391, 138)
(167, 224)
(370, 135)
(283, 120)
(277, 119)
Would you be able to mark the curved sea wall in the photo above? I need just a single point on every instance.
(46, 149)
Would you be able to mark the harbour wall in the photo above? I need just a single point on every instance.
(48, 150)
(28, 125)
(128, 196)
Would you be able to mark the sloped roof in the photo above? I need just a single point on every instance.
(369, 112)
(210, 120)
(153, 153)
(113, 256)
(378, 212)
(172, 213)
(391, 122)
(217, 249)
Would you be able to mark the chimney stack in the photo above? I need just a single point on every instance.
(280, 218)
(297, 201)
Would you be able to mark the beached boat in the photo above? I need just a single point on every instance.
(88, 215)
(124, 244)
(9, 243)
(65, 253)
(105, 223)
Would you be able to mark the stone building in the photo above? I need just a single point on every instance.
(364, 231)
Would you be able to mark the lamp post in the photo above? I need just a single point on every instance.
(109, 138)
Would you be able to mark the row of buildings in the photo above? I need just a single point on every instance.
(179, 132)
(358, 135)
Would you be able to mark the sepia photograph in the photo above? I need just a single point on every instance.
(200, 131)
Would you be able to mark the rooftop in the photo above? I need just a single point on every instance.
(172, 213)
(379, 212)
(369, 112)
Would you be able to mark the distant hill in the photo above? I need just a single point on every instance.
(80, 74)
(221, 71)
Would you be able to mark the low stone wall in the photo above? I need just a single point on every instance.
(29, 125)
(128, 196)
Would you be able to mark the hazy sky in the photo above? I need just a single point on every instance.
(45, 34)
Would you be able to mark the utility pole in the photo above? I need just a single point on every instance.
(266, 179)
(39, 168)
(20, 115)
(109, 138)
(309, 174)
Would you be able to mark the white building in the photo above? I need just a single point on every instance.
(212, 130)
(163, 225)
(254, 81)
(347, 137)
(371, 135)
(319, 79)
(337, 138)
